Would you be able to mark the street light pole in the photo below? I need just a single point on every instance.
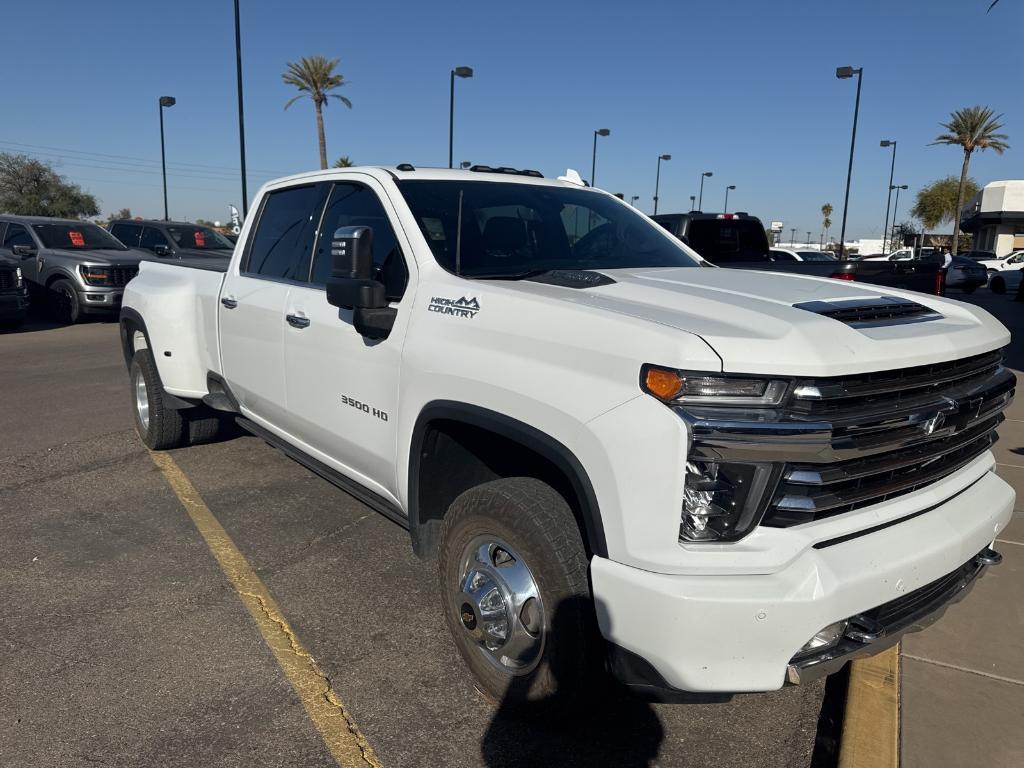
(693, 202)
(241, 118)
(700, 199)
(593, 162)
(792, 236)
(457, 72)
(657, 180)
(896, 206)
(731, 186)
(808, 239)
(165, 101)
(888, 199)
(844, 73)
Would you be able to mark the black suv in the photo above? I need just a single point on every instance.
(172, 239)
(13, 294)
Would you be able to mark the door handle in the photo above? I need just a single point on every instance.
(297, 321)
(229, 303)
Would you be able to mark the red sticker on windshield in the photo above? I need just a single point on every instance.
(200, 238)
(76, 239)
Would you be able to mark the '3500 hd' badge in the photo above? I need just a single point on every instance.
(461, 307)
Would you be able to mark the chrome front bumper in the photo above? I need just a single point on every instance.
(873, 631)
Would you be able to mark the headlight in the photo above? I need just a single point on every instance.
(95, 275)
(17, 277)
(723, 501)
(672, 386)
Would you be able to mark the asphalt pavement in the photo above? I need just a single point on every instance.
(122, 642)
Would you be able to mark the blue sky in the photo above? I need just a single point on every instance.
(745, 89)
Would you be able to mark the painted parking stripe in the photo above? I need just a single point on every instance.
(347, 745)
(871, 723)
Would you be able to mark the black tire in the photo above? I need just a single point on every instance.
(161, 427)
(997, 285)
(203, 425)
(64, 302)
(538, 526)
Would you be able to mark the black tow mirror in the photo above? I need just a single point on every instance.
(23, 250)
(162, 250)
(351, 284)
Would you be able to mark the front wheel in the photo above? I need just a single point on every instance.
(998, 285)
(65, 303)
(515, 594)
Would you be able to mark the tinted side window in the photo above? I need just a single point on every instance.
(722, 241)
(353, 205)
(152, 237)
(127, 233)
(284, 232)
(17, 235)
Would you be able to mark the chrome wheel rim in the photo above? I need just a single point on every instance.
(142, 401)
(500, 605)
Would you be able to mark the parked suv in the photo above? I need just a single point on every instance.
(78, 267)
(172, 239)
(13, 294)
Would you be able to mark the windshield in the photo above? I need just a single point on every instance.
(816, 256)
(203, 238)
(82, 236)
(510, 230)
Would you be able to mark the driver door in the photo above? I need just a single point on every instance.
(18, 234)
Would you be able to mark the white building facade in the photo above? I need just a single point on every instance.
(995, 216)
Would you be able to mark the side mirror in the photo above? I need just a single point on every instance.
(24, 251)
(352, 284)
(162, 250)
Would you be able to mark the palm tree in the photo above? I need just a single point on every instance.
(826, 222)
(344, 162)
(971, 128)
(315, 77)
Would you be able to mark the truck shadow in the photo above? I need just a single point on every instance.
(603, 725)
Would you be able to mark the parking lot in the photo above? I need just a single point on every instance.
(125, 643)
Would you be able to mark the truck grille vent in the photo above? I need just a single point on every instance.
(865, 313)
(8, 278)
(121, 275)
(892, 432)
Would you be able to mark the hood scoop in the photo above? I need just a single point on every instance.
(873, 312)
(572, 278)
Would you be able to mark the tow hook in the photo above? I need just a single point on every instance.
(988, 556)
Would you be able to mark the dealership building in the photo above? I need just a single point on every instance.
(995, 216)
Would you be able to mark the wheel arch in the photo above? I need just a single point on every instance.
(456, 446)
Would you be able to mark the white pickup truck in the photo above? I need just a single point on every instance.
(708, 480)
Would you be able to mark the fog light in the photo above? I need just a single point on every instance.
(722, 500)
(825, 637)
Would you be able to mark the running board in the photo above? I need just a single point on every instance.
(369, 498)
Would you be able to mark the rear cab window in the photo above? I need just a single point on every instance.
(725, 241)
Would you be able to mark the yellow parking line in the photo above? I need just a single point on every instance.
(346, 744)
(871, 724)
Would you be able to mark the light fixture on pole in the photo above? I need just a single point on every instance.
(693, 202)
(700, 198)
(593, 162)
(792, 236)
(633, 199)
(888, 199)
(657, 180)
(731, 186)
(241, 114)
(895, 207)
(457, 72)
(165, 102)
(845, 73)
(808, 239)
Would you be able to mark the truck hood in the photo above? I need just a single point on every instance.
(749, 318)
(129, 258)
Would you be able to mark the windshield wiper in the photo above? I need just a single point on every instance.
(505, 275)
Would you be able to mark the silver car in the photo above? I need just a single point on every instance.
(77, 267)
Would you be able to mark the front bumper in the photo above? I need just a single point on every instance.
(93, 299)
(740, 633)
(14, 305)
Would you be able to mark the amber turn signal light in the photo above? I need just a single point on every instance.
(663, 383)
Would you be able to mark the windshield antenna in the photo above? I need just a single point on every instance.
(458, 239)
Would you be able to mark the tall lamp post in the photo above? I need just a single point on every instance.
(731, 186)
(241, 118)
(700, 199)
(808, 239)
(457, 72)
(888, 199)
(657, 180)
(845, 73)
(792, 236)
(693, 202)
(165, 101)
(593, 162)
(896, 206)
